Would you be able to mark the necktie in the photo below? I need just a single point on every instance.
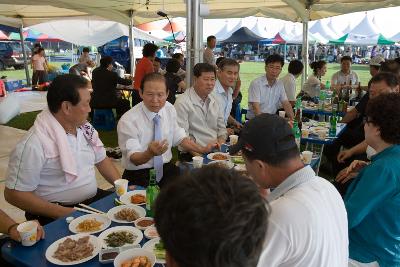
(158, 160)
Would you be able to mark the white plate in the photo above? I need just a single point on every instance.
(130, 229)
(126, 198)
(143, 227)
(53, 247)
(148, 230)
(100, 218)
(211, 155)
(132, 253)
(224, 163)
(149, 245)
(140, 211)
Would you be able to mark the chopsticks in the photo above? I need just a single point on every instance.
(88, 209)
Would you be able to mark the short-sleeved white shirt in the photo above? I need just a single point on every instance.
(311, 86)
(136, 131)
(340, 78)
(307, 225)
(270, 97)
(38, 62)
(29, 170)
(289, 83)
(224, 99)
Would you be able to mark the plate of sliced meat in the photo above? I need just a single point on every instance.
(73, 249)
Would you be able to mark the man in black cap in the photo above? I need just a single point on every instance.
(308, 222)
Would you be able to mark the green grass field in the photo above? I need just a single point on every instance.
(248, 72)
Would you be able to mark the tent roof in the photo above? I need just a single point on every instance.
(3, 36)
(358, 39)
(144, 11)
(148, 27)
(323, 30)
(89, 32)
(223, 33)
(175, 26)
(259, 30)
(365, 27)
(243, 35)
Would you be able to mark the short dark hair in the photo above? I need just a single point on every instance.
(228, 62)
(153, 76)
(346, 58)
(383, 111)
(157, 59)
(274, 58)
(375, 67)
(276, 159)
(105, 61)
(149, 50)
(220, 210)
(173, 65)
(218, 60)
(295, 67)
(389, 78)
(211, 37)
(40, 49)
(390, 66)
(65, 88)
(317, 65)
(177, 55)
(199, 68)
(86, 49)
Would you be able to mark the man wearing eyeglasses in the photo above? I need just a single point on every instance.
(267, 93)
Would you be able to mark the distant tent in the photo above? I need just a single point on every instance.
(257, 29)
(275, 40)
(16, 36)
(173, 26)
(395, 37)
(365, 33)
(179, 37)
(243, 35)
(148, 27)
(224, 33)
(323, 30)
(334, 29)
(3, 36)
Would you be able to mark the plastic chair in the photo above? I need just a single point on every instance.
(103, 119)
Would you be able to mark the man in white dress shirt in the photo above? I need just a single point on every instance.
(227, 73)
(308, 221)
(137, 130)
(37, 180)
(267, 93)
(198, 110)
(345, 75)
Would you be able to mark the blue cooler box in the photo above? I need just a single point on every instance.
(12, 85)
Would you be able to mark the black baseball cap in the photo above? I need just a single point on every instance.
(265, 135)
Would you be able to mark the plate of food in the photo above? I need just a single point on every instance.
(120, 236)
(157, 247)
(218, 156)
(151, 232)
(144, 223)
(237, 159)
(126, 213)
(89, 224)
(222, 163)
(136, 197)
(73, 249)
(137, 257)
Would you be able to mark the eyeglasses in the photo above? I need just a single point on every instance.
(274, 67)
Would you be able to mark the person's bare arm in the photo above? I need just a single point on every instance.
(28, 201)
(351, 115)
(5, 222)
(108, 170)
(9, 227)
(155, 148)
(355, 150)
(188, 145)
(256, 108)
(288, 109)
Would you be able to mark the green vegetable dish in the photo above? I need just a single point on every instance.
(159, 250)
(120, 238)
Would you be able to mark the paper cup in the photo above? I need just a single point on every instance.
(307, 156)
(197, 162)
(28, 232)
(233, 139)
(282, 113)
(121, 186)
(305, 133)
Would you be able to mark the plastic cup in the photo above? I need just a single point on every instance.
(121, 186)
(282, 113)
(233, 139)
(307, 156)
(305, 133)
(28, 232)
(197, 162)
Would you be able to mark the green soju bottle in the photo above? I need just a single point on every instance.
(333, 125)
(296, 133)
(152, 192)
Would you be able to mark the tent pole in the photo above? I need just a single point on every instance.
(305, 49)
(72, 54)
(131, 43)
(199, 34)
(21, 33)
(196, 27)
(188, 44)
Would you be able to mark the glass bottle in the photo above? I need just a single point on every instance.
(152, 192)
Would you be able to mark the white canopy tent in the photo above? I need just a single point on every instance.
(322, 29)
(259, 30)
(366, 26)
(90, 32)
(224, 33)
(334, 29)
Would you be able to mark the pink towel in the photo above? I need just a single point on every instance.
(55, 143)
